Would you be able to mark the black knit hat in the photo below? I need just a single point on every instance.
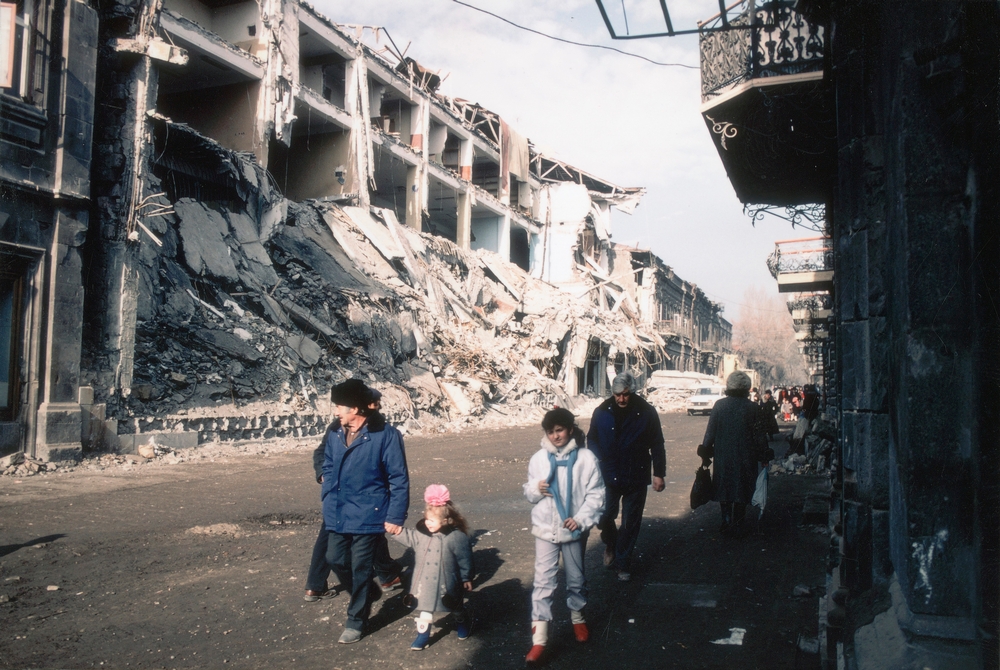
(351, 393)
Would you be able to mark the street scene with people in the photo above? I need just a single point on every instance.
(453, 333)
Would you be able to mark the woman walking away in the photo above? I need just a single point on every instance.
(443, 570)
(736, 438)
(566, 488)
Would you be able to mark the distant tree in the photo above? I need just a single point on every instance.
(764, 339)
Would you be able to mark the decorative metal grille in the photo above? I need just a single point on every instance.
(811, 301)
(810, 216)
(780, 42)
(808, 255)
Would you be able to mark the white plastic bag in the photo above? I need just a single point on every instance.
(760, 494)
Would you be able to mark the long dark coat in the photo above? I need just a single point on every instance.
(737, 438)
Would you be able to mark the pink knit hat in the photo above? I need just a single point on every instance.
(437, 495)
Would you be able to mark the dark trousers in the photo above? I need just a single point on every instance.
(386, 568)
(631, 500)
(351, 557)
(733, 514)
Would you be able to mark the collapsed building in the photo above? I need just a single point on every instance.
(270, 205)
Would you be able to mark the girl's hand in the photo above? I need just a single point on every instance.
(543, 486)
(570, 524)
(467, 585)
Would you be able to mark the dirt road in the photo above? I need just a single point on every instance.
(203, 565)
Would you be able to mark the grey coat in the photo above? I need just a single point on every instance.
(737, 438)
(443, 563)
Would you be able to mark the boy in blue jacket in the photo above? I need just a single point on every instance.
(366, 492)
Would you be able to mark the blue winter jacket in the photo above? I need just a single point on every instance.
(366, 483)
(626, 451)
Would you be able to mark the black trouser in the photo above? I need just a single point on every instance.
(351, 558)
(386, 568)
(733, 514)
(632, 500)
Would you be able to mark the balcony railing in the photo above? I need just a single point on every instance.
(811, 301)
(802, 265)
(780, 42)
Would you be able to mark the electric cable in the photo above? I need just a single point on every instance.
(579, 44)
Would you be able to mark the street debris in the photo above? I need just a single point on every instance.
(735, 637)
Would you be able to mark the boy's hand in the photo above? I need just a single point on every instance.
(543, 486)
(570, 524)
(393, 529)
(467, 585)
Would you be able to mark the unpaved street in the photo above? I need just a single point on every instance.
(203, 565)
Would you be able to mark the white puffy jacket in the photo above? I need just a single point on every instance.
(587, 504)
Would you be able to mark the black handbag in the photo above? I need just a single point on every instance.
(703, 489)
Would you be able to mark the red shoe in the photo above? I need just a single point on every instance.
(534, 656)
(581, 632)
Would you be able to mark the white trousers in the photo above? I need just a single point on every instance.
(547, 573)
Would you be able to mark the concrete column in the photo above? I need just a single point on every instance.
(463, 234)
(58, 421)
(465, 157)
(414, 218)
(504, 235)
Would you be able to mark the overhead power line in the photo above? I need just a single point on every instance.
(565, 41)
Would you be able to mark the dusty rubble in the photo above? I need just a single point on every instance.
(254, 312)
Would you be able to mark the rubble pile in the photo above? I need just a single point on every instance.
(20, 465)
(816, 438)
(668, 400)
(252, 310)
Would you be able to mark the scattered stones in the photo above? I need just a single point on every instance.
(801, 591)
(51, 587)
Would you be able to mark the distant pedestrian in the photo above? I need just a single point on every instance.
(366, 492)
(386, 569)
(769, 410)
(736, 438)
(626, 436)
(565, 486)
(443, 568)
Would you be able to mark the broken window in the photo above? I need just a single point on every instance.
(324, 74)
(486, 175)
(520, 248)
(11, 289)
(22, 50)
(395, 119)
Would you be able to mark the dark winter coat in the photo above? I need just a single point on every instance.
(443, 563)
(770, 412)
(627, 451)
(737, 438)
(366, 483)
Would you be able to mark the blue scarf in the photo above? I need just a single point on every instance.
(564, 505)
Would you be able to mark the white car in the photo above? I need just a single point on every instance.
(704, 399)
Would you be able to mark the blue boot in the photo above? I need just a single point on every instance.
(463, 627)
(423, 636)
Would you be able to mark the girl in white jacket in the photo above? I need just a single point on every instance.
(565, 485)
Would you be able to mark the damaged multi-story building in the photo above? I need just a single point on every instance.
(274, 205)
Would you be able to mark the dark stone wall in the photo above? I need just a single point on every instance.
(915, 226)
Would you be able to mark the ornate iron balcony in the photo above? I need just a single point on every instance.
(802, 265)
(780, 41)
(810, 301)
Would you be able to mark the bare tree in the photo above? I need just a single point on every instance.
(765, 340)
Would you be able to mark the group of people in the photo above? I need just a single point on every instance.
(575, 482)
(790, 403)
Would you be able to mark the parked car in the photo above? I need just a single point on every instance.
(704, 399)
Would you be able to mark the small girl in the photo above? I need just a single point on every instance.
(566, 488)
(443, 566)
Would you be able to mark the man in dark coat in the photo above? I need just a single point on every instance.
(386, 568)
(626, 436)
(366, 492)
(737, 439)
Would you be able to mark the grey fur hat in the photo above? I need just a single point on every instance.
(738, 381)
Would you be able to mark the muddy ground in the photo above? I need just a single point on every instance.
(202, 564)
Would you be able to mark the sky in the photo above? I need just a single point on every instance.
(620, 118)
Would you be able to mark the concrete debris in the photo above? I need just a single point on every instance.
(801, 590)
(26, 466)
(450, 336)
